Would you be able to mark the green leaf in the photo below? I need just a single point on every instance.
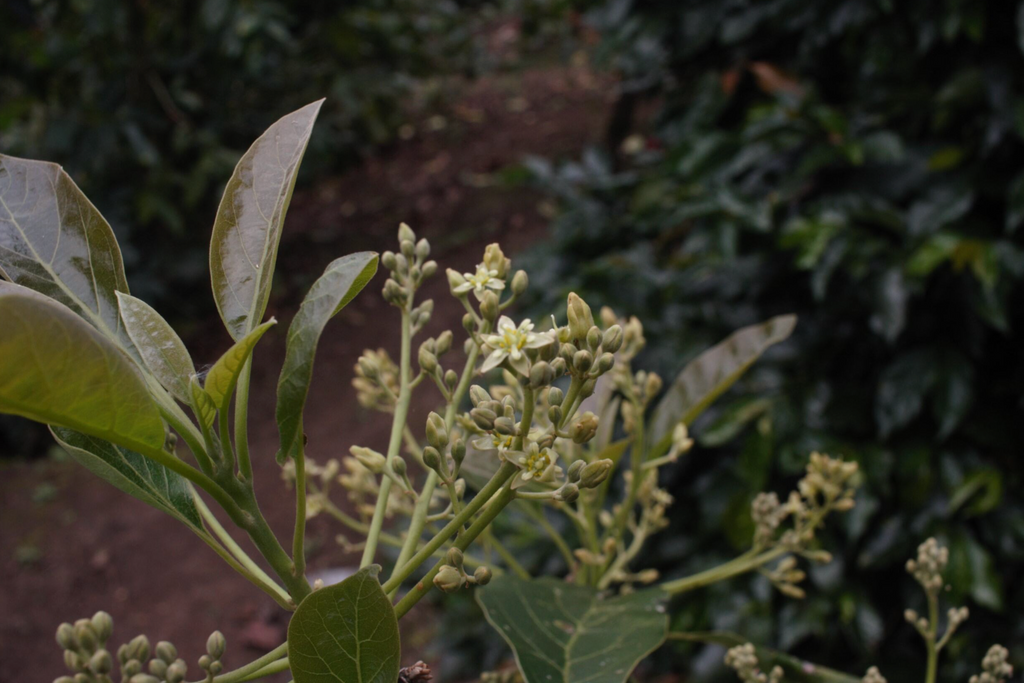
(54, 241)
(202, 404)
(223, 376)
(135, 474)
(732, 421)
(247, 231)
(347, 632)
(57, 369)
(563, 633)
(341, 281)
(707, 377)
(161, 349)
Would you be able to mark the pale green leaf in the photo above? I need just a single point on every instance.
(345, 633)
(57, 369)
(343, 279)
(223, 376)
(709, 375)
(135, 474)
(161, 349)
(564, 633)
(247, 231)
(53, 240)
(202, 404)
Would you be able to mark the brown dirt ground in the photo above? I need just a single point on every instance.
(71, 544)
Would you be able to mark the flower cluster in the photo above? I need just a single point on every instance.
(743, 659)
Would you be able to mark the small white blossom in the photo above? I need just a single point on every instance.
(536, 464)
(509, 342)
(493, 442)
(485, 278)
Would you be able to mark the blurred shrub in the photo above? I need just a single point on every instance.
(859, 163)
(149, 104)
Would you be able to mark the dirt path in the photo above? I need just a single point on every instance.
(71, 544)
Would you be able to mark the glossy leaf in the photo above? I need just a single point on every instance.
(201, 403)
(345, 633)
(161, 349)
(247, 231)
(223, 376)
(53, 240)
(135, 474)
(709, 375)
(341, 281)
(564, 633)
(57, 369)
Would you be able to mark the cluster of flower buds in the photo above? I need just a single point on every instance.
(376, 381)
(873, 676)
(486, 284)
(585, 352)
(85, 653)
(785, 576)
(994, 666)
(362, 486)
(377, 464)
(829, 485)
(445, 451)
(743, 659)
(452, 575)
(210, 662)
(767, 513)
(430, 352)
(632, 333)
(408, 269)
(928, 567)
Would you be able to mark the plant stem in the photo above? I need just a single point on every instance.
(636, 458)
(503, 474)
(423, 586)
(506, 555)
(180, 423)
(255, 524)
(242, 422)
(397, 425)
(253, 666)
(268, 670)
(299, 537)
(744, 563)
(930, 636)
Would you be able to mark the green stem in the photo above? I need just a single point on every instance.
(423, 586)
(930, 636)
(242, 423)
(503, 474)
(742, 564)
(240, 673)
(299, 537)
(266, 542)
(636, 467)
(397, 425)
(504, 553)
(269, 670)
(180, 423)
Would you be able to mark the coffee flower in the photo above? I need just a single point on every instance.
(509, 341)
(485, 278)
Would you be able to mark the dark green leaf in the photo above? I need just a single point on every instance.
(343, 279)
(55, 241)
(135, 474)
(247, 230)
(983, 488)
(346, 633)
(901, 390)
(162, 351)
(223, 376)
(708, 376)
(57, 369)
(732, 421)
(563, 633)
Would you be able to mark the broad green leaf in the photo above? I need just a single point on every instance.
(135, 474)
(709, 375)
(564, 633)
(345, 633)
(797, 670)
(202, 404)
(223, 376)
(343, 279)
(161, 349)
(57, 369)
(247, 231)
(53, 240)
(732, 421)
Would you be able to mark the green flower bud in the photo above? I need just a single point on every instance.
(612, 339)
(66, 637)
(555, 414)
(437, 431)
(205, 661)
(216, 668)
(593, 338)
(103, 625)
(580, 317)
(520, 281)
(405, 233)
(427, 360)
(477, 394)
(455, 279)
(73, 661)
(122, 654)
(455, 558)
(582, 361)
(489, 305)
(482, 575)
(451, 378)
(541, 375)
(369, 458)
(444, 343)
(86, 636)
(394, 293)
(83, 678)
(568, 493)
(653, 385)
(558, 366)
(458, 451)
(131, 667)
(448, 579)
(177, 671)
(566, 352)
(166, 651)
(588, 388)
(143, 678)
(422, 249)
(595, 473)
(369, 367)
(605, 362)
(398, 466)
(555, 396)
(432, 459)
(158, 668)
(505, 425)
(388, 260)
(573, 473)
(483, 418)
(408, 248)
(138, 648)
(429, 269)
(101, 663)
(495, 259)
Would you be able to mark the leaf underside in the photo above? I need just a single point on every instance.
(223, 376)
(563, 633)
(345, 633)
(161, 349)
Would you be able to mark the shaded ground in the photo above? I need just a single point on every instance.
(71, 544)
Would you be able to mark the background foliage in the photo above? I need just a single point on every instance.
(857, 163)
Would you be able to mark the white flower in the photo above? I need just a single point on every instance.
(492, 442)
(536, 464)
(480, 282)
(509, 342)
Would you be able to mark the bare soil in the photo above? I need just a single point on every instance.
(70, 544)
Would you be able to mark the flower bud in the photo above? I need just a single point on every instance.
(205, 661)
(388, 260)
(555, 396)
(653, 385)
(429, 269)
(369, 458)
(437, 431)
(394, 293)
(558, 366)
(482, 576)
(608, 317)
(566, 352)
(216, 644)
(448, 579)
(103, 625)
(580, 317)
(505, 425)
(573, 473)
(422, 249)
(555, 414)
(584, 429)
(451, 378)
(130, 668)
(101, 663)
(483, 417)
(489, 305)
(398, 466)
(66, 637)
(582, 361)
(85, 635)
(494, 259)
(519, 282)
(444, 343)
(158, 668)
(605, 362)
(427, 360)
(177, 671)
(612, 339)
(593, 338)
(595, 473)
(454, 557)
(166, 651)
(138, 648)
(405, 233)
(432, 459)
(588, 388)
(568, 493)
(478, 394)
(455, 279)
(369, 367)
(143, 678)
(73, 661)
